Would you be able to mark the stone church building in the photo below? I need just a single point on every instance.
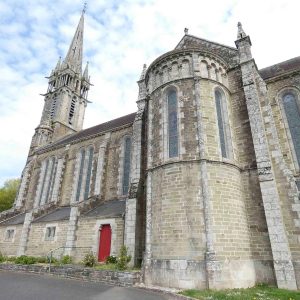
(201, 183)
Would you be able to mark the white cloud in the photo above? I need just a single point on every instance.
(119, 37)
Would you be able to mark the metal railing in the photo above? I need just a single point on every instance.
(58, 253)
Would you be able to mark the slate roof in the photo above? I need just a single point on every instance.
(113, 208)
(281, 68)
(89, 132)
(16, 220)
(62, 213)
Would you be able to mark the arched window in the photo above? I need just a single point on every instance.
(89, 173)
(52, 171)
(46, 181)
(43, 182)
(126, 165)
(80, 175)
(223, 125)
(292, 112)
(172, 124)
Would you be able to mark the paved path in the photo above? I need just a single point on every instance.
(19, 286)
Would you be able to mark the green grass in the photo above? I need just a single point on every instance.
(255, 293)
(105, 267)
(113, 267)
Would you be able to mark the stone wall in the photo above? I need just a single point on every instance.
(38, 246)
(87, 235)
(112, 277)
(10, 247)
(220, 215)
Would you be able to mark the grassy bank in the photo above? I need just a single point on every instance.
(255, 293)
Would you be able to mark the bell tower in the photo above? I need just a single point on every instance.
(66, 96)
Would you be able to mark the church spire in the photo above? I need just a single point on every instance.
(66, 97)
(74, 56)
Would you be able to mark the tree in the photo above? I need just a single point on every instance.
(8, 193)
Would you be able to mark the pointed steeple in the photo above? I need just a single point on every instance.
(58, 65)
(74, 56)
(86, 72)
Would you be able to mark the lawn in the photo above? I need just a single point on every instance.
(255, 293)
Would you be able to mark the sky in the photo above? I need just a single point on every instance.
(120, 36)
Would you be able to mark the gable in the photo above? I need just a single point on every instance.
(229, 54)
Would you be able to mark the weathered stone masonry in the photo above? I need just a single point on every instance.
(205, 196)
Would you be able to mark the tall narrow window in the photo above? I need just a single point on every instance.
(81, 167)
(44, 180)
(72, 111)
(292, 112)
(89, 173)
(222, 124)
(126, 165)
(172, 124)
(47, 178)
(52, 172)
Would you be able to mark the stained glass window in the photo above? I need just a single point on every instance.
(172, 124)
(126, 165)
(81, 167)
(89, 173)
(221, 122)
(293, 117)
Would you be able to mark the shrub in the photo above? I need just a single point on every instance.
(123, 259)
(89, 260)
(2, 258)
(111, 260)
(66, 259)
(11, 259)
(41, 260)
(25, 260)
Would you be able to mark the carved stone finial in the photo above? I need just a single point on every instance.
(186, 30)
(241, 33)
(143, 72)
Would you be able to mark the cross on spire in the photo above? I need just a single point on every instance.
(84, 7)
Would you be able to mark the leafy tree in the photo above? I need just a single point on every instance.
(8, 193)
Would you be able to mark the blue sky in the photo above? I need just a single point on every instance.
(120, 36)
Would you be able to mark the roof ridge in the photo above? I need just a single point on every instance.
(90, 131)
(284, 61)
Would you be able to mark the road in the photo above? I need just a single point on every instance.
(19, 286)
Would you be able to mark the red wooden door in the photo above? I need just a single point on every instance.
(104, 242)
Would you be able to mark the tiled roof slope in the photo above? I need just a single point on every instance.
(281, 68)
(112, 208)
(62, 213)
(110, 125)
(16, 220)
